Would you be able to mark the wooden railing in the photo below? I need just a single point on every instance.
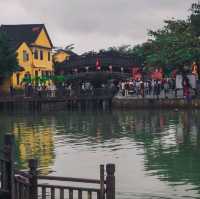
(29, 185)
(103, 188)
(22, 186)
(7, 168)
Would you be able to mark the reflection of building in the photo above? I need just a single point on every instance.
(35, 142)
(33, 47)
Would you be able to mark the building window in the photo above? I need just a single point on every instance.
(36, 54)
(18, 78)
(25, 56)
(49, 56)
(36, 73)
(41, 55)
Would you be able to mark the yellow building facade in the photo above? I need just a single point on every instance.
(61, 56)
(34, 52)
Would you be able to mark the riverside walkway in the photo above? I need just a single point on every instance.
(101, 97)
(171, 100)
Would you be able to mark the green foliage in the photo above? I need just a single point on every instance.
(175, 45)
(8, 58)
(27, 80)
(59, 79)
(123, 50)
(44, 79)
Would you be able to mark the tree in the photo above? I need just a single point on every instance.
(173, 45)
(123, 50)
(8, 58)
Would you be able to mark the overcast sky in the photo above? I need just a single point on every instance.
(94, 24)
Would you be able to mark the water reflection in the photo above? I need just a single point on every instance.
(160, 148)
(34, 139)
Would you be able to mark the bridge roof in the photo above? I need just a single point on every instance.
(105, 61)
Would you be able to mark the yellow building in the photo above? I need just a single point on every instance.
(34, 52)
(62, 55)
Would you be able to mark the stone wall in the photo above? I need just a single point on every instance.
(131, 103)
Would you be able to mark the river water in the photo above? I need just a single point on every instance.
(157, 153)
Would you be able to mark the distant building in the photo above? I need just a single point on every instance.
(34, 51)
(62, 55)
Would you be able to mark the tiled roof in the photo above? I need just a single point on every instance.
(18, 34)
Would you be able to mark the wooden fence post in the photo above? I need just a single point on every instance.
(33, 164)
(9, 169)
(110, 181)
(102, 188)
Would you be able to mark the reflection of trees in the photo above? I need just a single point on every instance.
(181, 165)
(171, 140)
(97, 126)
(174, 157)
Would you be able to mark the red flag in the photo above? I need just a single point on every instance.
(98, 65)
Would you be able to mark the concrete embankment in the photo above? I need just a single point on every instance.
(133, 103)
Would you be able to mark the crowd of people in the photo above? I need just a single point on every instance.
(39, 90)
(152, 88)
(52, 90)
(64, 89)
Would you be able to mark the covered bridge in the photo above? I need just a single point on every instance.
(104, 61)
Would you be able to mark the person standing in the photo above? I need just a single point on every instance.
(166, 88)
(11, 91)
(123, 88)
(126, 88)
(142, 88)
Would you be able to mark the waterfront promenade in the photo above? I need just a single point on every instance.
(58, 100)
(99, 98)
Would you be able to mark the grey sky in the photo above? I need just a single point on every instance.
(94, 24)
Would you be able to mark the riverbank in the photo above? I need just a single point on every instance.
(140, 103)
(118, 102)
